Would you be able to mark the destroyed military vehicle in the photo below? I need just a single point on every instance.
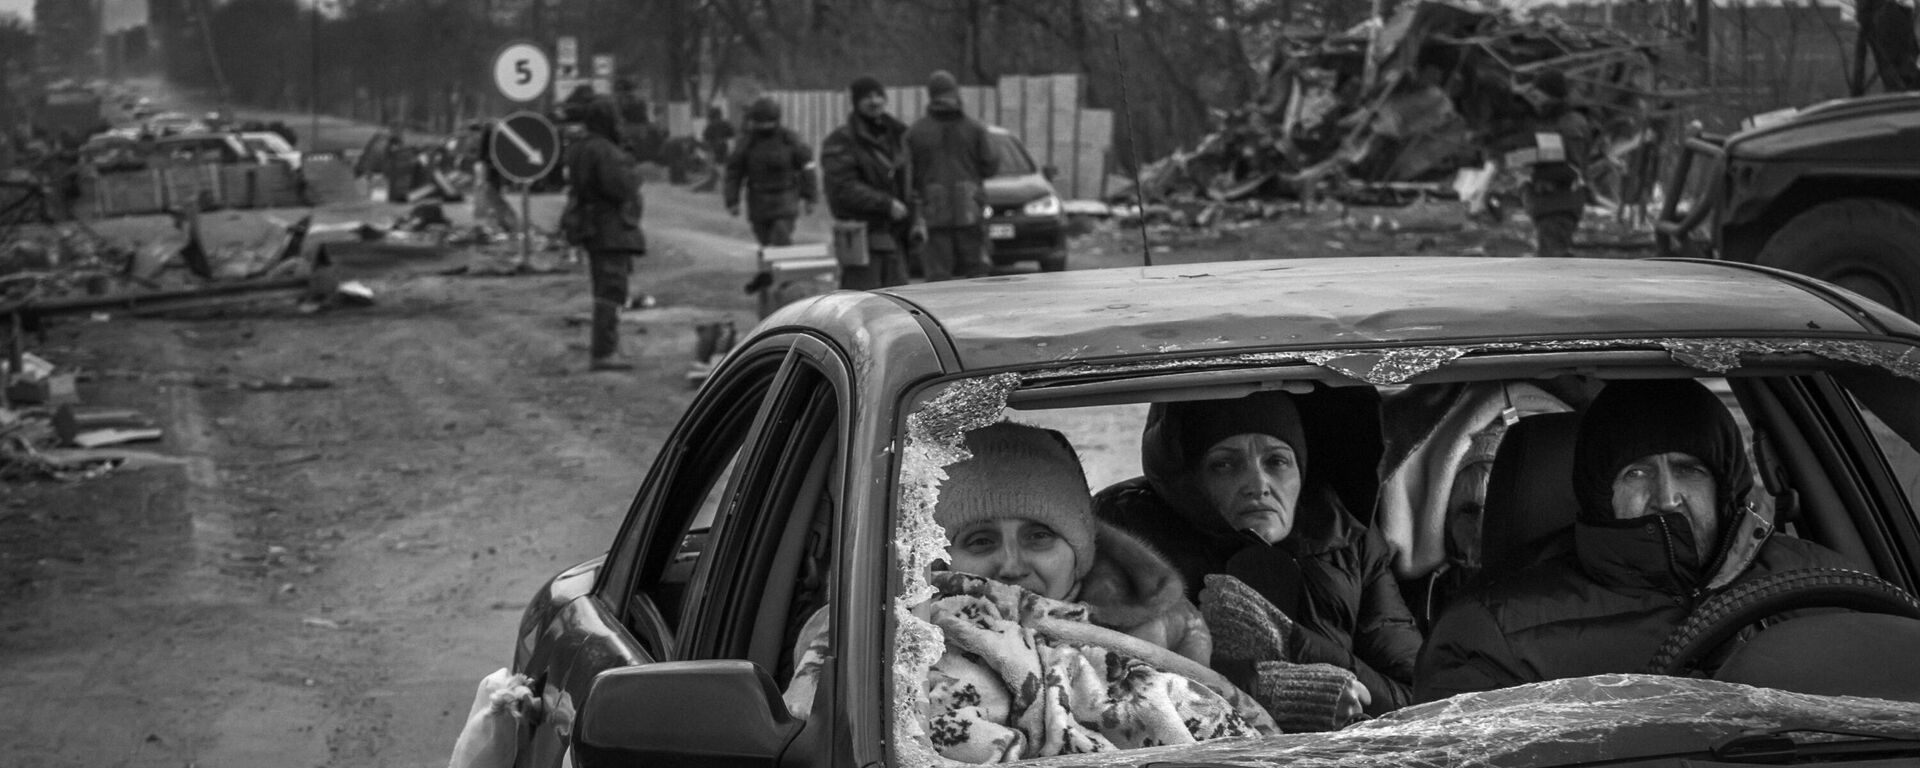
(1831, 191)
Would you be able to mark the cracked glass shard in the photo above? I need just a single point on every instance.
(934, 441)
(1390, 367)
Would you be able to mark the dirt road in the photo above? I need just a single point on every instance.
(324, 573)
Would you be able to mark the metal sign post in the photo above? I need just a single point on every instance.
(525, 147)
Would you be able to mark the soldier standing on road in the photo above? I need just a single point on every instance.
(1555, 194)
(867, 179)
(952, 160)
(776, 168)
(603, 217)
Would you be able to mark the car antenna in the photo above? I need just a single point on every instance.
(1133, 142)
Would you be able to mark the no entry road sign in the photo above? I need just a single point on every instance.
(524, 147)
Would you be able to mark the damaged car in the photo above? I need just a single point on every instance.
(800, 485)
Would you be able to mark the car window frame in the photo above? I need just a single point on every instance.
(756, 373)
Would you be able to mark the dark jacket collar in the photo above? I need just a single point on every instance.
(884, 130)
(1651, 552)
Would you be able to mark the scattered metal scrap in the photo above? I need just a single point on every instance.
(1402, 109)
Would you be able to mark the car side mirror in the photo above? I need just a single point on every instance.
(1049, 171)
(718, 712)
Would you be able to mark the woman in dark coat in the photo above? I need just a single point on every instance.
(1226, 492)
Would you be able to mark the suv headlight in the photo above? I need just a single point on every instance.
(1043, 206)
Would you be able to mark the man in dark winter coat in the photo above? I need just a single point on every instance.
(952, 160)
(603, 218)
(776, 168)
(1661, 477)
(867, 176)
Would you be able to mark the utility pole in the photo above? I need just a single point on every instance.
(1703, 39)
(204, 11)
(313, 77)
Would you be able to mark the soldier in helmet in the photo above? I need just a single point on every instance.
(776, 170)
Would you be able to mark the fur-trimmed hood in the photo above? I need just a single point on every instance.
(1130, 583)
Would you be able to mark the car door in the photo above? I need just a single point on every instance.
(715, 544)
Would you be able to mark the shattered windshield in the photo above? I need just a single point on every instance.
(995, 663)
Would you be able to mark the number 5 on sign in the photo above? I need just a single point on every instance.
(521, 71)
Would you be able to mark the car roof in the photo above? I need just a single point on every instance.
(1030, 320)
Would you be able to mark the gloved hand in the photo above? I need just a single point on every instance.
(1252, 642)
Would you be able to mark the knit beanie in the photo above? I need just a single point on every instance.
(1632, 419)
(863, 87)
(764, 109)
(941, 83)
(1195, 425)
(1021, 471)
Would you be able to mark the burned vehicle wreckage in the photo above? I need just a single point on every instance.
(1439, 89)
(800, 494)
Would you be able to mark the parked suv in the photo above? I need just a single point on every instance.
(1831, 191)
(1024, 218)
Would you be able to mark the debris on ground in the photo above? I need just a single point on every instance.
(94, 426)
(1396, 112)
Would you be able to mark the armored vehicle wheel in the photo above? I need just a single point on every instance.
(1867, 245)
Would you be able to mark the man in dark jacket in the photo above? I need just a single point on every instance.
(603, 218)
(776, 168)
(865, 164)
(1661, 477)
(952, 160)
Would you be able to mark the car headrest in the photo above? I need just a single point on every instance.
(1529, 491)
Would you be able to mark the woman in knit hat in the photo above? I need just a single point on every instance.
(1019, 512)
(1289, 574)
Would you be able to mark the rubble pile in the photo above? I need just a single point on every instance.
(1401, 109)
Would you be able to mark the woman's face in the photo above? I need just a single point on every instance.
(1016, 551)
(1252, 480)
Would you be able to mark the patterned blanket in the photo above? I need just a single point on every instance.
(1026, 676)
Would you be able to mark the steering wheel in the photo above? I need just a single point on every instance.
(1715, 622)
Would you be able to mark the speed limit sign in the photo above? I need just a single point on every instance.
(521, 71)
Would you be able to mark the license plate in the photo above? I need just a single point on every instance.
(1000, 231)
